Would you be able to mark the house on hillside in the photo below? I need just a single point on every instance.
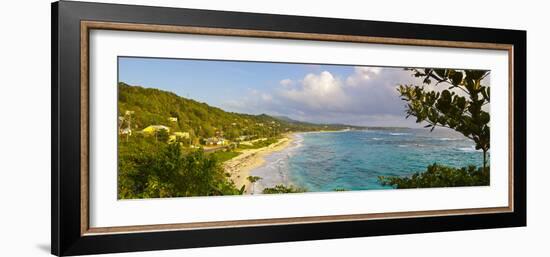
(215, 141)
(155, 128)
(178, 135)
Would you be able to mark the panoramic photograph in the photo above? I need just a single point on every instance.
(191, 127)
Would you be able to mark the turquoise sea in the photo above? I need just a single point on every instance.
(353, 160)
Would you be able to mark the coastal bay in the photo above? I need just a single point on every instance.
(354, 159)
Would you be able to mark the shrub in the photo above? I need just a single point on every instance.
(282, 189)
(440, 176)
(153, 170)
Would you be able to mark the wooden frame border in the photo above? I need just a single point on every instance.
(69, 131)
(86, 26)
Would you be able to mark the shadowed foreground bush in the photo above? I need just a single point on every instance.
(440, 176)
(282, 189)
(164, 170)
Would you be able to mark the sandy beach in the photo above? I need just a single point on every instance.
(249, 159)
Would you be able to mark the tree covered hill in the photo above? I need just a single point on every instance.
(148, 106)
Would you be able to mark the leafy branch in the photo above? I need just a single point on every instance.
(448, 109)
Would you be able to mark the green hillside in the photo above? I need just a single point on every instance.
(156, 107)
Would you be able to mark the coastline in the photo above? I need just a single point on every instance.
(249, 159)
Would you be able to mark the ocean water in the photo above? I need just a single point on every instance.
(353, 160)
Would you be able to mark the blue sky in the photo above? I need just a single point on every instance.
(355, 95)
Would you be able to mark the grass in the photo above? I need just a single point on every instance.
(223, 156)
(260, 144)
(226, 155)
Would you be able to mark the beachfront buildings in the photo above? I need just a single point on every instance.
(216, 141)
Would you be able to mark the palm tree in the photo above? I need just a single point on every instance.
(253, 180)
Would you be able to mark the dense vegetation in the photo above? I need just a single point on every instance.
(462, 112)
(149, 168)
(441, 176)
(282, 189)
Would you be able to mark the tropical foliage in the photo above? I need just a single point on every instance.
(450, 109)
(459, 105)
(282, 189)
(151, 169)
(440, 176)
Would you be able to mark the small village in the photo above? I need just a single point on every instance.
(210, 144)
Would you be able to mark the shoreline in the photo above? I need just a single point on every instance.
(249, 159)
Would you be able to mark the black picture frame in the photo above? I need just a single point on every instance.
(66, 234)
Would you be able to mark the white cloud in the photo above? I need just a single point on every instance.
(367, 91)
(362, 74)
(317, 92)
(286, 82)
(368, 96)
